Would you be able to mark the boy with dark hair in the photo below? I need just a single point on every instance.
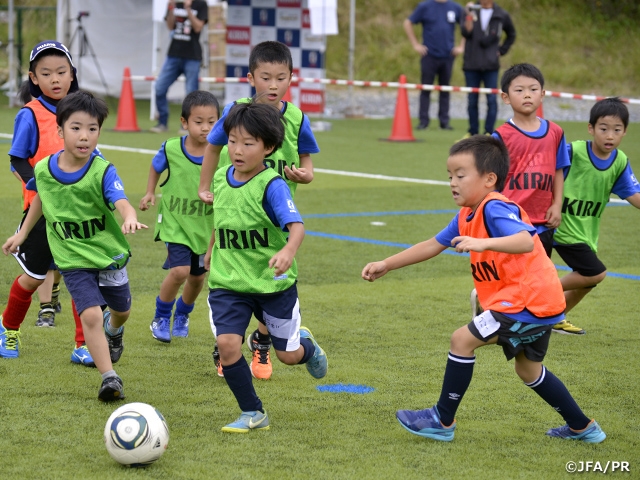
(51, 77)
(257, 232)
(598, 169)
(184, 222)
(270, 72)
(506, 255)
(77, 192)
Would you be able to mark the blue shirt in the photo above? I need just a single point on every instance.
(502, 220)
(277, 202)
(439, 20)
(112, 185)
(160, 163)
(306, 141)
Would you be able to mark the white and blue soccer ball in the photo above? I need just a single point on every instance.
(136, 435)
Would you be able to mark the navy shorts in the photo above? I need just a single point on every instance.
(280, 312)
(94, 288)
(580, 258)
(513, 336)
(34, 255)
(179, 255)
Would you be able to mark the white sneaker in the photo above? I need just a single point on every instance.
(159, 128)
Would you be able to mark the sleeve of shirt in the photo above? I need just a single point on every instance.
(25, 135)
(416, 16)
(306, 140)
(503, 220)
(31, 185)
(626, 184)
(217, 135)
(448, 233)
(562, 157)
(159, 162)
(112, 186)
(203, 13)
(279, 204)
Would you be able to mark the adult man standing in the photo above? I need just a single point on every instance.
(483, 28)
(185, 20)
(438, 19)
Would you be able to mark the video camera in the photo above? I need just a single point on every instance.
(82, 14)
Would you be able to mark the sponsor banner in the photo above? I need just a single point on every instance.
(312, 59)
(234, 91)
(311, 101)
(234, 3)
(239, 35)
(264, 3)
(263, 17)
(239, 71)
(288, 18)
(289, 36)
(262, 34)
(238, 54)
(306, 18)
(311, 73)
(238, 16)
(290, 4)
(309, 41)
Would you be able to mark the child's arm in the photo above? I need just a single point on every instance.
(128, 214)
(34, 214)
(418, 253)
(521, 242)
(150, 196)
(282, 260)
(554, 214)
(209, 166)
(207, 256)
(304, 174)
(634, 200)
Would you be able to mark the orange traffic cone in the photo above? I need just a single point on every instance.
(401, 129)
(540, 112)
(287, 96)
(127, 120)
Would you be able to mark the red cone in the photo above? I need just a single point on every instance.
(401, 130)
(540, 112)
(127, 120)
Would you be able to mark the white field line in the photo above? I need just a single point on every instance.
(319, 170)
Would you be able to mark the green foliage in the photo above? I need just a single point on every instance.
(392, 335)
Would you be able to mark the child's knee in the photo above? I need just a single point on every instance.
(179, 274)
(289, 358)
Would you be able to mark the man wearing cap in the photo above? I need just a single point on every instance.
(52, 76)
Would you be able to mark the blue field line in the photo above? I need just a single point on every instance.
(347, 238)
(379, 214)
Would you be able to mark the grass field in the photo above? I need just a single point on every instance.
(392, 335)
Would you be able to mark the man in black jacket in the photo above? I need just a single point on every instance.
(483, 28)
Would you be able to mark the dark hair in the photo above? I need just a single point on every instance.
(490, 154)
(609, 107)
(81, 101)
(49, 52)
(199, 98)
(270, 52)
(24, 92)
(260, 120)
(524, 69)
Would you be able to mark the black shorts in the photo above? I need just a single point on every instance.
(580, 258)
(34, 255)
(513, 336)
(179, 255)
(546, 238)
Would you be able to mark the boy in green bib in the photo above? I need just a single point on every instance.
(598, 169)
(184, 221)
(257, 232)
(77, 194)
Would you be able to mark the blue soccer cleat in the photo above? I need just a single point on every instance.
(180, 325)
(318, 364)
(9, 342)
(82, 356)
(248, 421)
(160, 329)
(591, 434)
(426, 423)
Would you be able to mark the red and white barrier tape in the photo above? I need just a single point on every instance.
(408, 86)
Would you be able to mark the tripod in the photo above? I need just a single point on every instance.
(85, 47)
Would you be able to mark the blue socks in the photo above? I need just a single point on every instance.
(182, 308)
(163, 309)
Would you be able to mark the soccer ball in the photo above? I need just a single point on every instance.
(136, 435)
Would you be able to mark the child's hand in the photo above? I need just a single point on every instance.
(206, 196)
(149, 198)
(281, 261)
(373, 271)
(553, 216)
(12, 244)
(468, 244)
(130, 225)
(298, 175)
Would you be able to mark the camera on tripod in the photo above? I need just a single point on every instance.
(82, 14)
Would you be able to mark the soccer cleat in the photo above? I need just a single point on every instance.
(318, 364)
(82, 356)
(111, 389)
(46, 317)
(55, 299)
(476, 308)
(216, 361)
(567, 328)
(426, 423)
(9, 342)
(160, 329)
(180, 326)
(261, 367)
(591, 434)
(116, 346)
(248, 421)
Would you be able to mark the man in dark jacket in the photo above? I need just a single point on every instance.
(483, 28)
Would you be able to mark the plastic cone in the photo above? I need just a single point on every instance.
(540, 112)
(287, 96)
(401, 129)
(127, 120)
